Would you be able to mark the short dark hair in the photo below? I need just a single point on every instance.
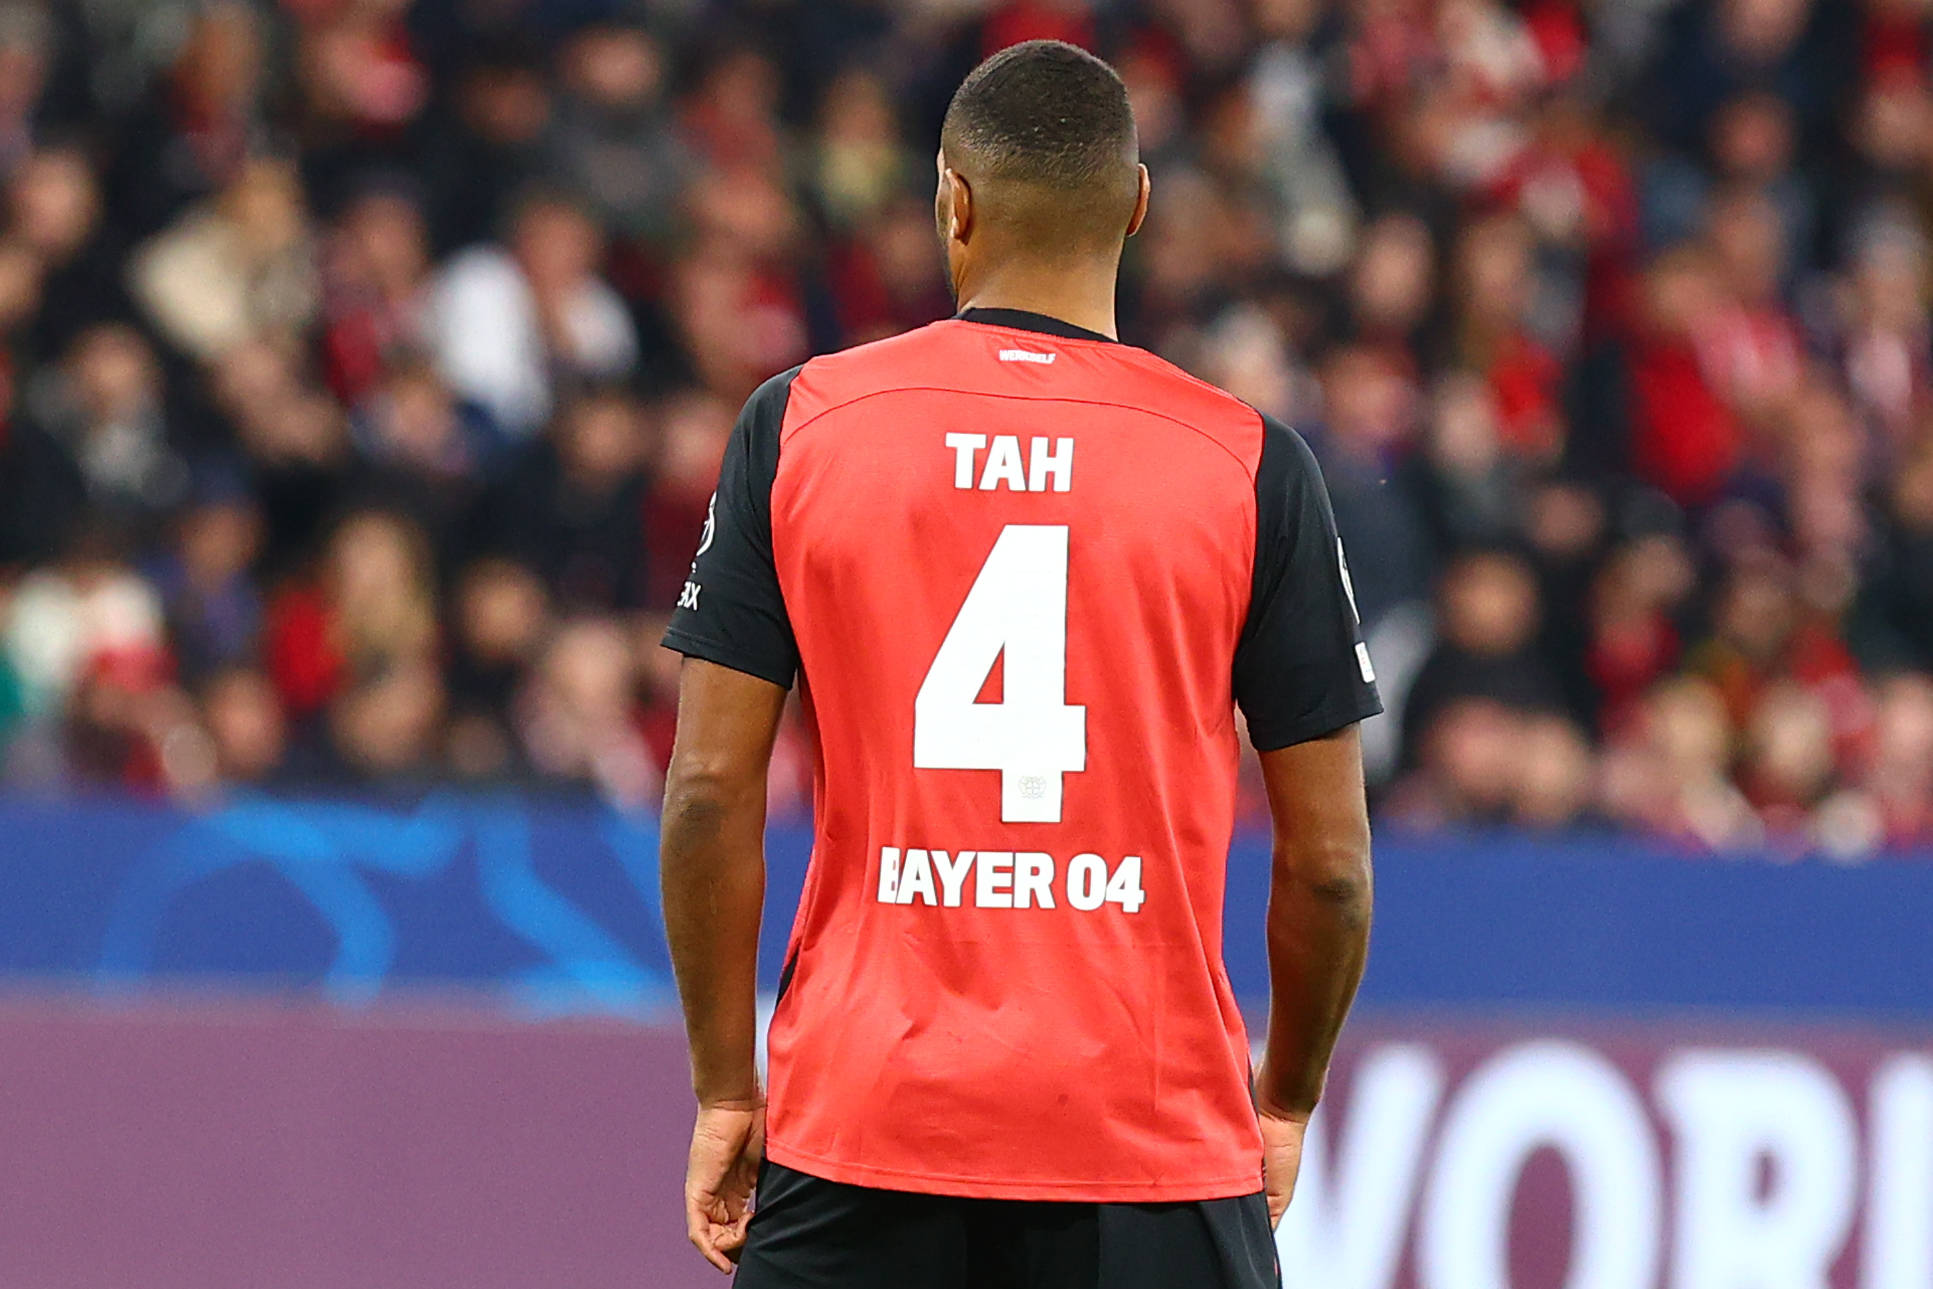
(1043, 112)
(1054, 119)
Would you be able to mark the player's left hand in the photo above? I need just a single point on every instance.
(1282, 1133)
(727, 1146)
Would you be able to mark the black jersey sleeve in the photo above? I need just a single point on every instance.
(730, 611)
(1301, 668)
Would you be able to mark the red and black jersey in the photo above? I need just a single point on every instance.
(1024, 575)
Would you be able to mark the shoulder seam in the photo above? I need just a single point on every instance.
(1274, 424)
(780, 386)
(1193, 379)
(784, 378)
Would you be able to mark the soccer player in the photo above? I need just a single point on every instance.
(1023, 575)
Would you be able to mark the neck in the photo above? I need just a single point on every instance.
(1082, 296)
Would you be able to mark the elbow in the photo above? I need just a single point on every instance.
(1334, 872)
(1348, 893)
(699, 792)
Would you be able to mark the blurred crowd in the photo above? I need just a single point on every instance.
(365, 367)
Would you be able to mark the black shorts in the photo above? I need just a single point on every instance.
(808, 1233)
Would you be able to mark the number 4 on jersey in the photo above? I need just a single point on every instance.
(1018, 604)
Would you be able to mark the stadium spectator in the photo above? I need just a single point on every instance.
(1633, 638)
(213, 607)
(1670, 774)
(490, 142)
(501, 625)
(573, 507)
(369, 615)
(1486, 648)
(614, 140)
(385, 728)
(247, 732)
(578, 717)
(1895, 794)
(196, 128)
(106, 405)
(346, 350)
(693, 427)
(54, 211)
(26, 35)
(508, 322)
(375, 286)
(421, 452)
(238, 268)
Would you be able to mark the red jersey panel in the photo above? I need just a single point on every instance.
(1019, 569)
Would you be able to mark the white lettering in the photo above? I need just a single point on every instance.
(1058, 464)
(1005, 879)
(1050, 465)
(688, 597)
(1027, 356)
(952, 875)
(1764, 1174)
(1003, 465)
(1348, 586)
(1899, 1230)
(1570, 1099)
(995, 880)
(1124, 888)
(1347, 1226)
(1731, 1112)
(916, 878)
(964, 446)
(1033, 876)
(1015, 613)
(1086, 881)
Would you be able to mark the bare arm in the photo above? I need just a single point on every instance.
(1318, 917)
(711, 862)
(1317, 913)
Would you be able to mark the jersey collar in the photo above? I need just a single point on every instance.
(1027, 320)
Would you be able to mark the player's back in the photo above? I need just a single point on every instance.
(1019, 562)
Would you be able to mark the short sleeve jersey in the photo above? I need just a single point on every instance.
(1024, 577)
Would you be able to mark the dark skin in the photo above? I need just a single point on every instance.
(1320, 892)
(711, 864)
(991, 262)
(712, 848)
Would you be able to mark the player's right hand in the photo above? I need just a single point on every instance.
(1282, 1133)
(727, 1146)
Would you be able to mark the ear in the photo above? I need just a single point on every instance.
(1140, 200)
(959, 206)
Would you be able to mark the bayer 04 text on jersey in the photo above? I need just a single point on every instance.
(1007, 879)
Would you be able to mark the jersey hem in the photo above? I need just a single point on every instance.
(692, 646)
(1077, 1192)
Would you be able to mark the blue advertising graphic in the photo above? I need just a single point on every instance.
(553, 904)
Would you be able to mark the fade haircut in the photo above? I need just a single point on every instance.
(1044, 133)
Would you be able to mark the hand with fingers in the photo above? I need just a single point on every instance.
(1282, 1132)
(727, 1146)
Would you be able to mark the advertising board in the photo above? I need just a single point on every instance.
(1631, 1156)
(300, 1043)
